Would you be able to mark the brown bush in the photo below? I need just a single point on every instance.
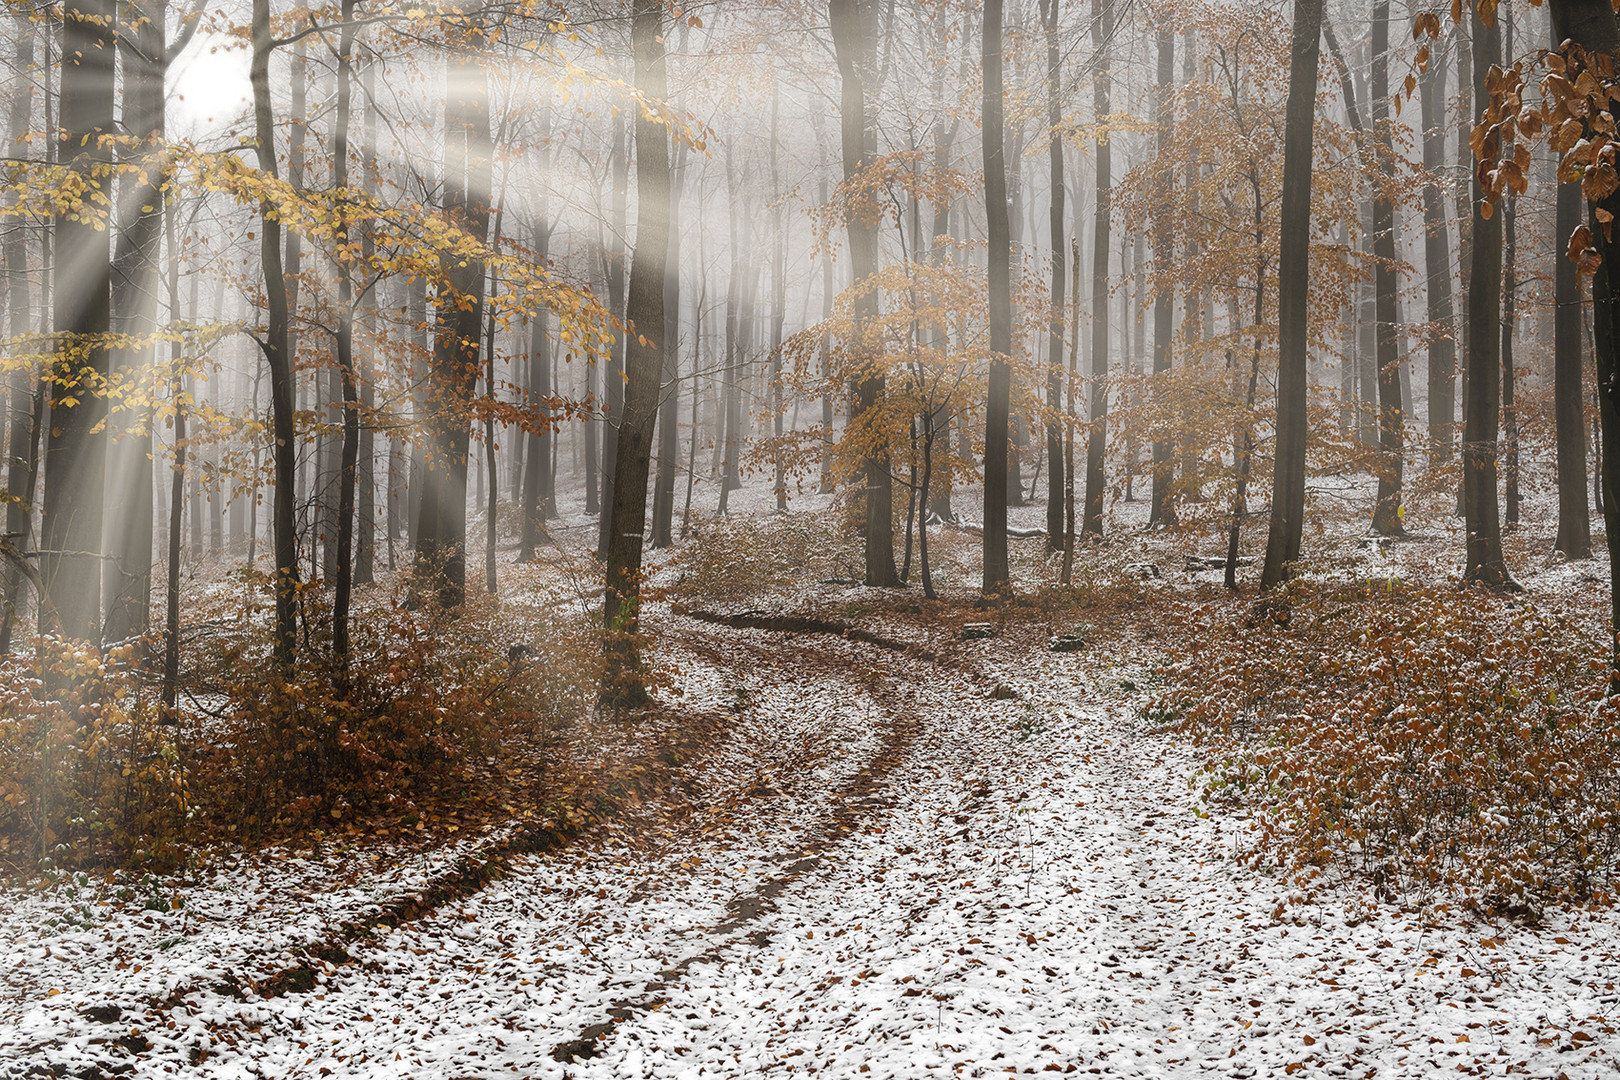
(1435, 742)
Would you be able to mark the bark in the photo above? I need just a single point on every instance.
(1387, 514)
(1162, 510)
(1102, 34)
(669, 431)
(365, 479)
(441, 547)
(71, 540)
(997, 576)
(349, 456)
(1482, 399)
(1442, 353)
(1591, 25)
(276, 344)
(778, 308)
(855, 47)
(1293, 299)
(1574, 520)
(539, 498)
(613, 265)
(127, 575)
(25, 387)
(1055, 531)
(644, 360)
(1510, 416)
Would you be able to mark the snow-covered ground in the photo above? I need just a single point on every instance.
(897, 873)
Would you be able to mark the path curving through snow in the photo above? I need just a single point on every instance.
(900, 875)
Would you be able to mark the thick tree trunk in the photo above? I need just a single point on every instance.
(997, 575)
(1387, 515)
(71, 540)
(1293, 299)
(1591, 25)
(441, 548)
(1102, 34)
(644, 361)
(349, 455)
(127, 575)
(854, 45)
(1482, 401)
(613, 271)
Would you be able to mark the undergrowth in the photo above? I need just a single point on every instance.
(431, 711)
(1442, 746)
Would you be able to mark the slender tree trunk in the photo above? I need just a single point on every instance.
(1510, 415)
(669, 430)
(77, 441)
(778, 309)
(1482, 402)
(854, 45)
(1162, 511)
(25, 389)
(349, 454)
(1102, 34)
(1574, 521)
(1055, 531)
(997, 576)
(365, 478)
(1293, 299)
(1387, 514)
(1442, 353)
(613, 272)
(276, 345)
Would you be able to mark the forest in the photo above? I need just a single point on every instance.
(885, 538)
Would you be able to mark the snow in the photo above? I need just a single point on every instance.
(891, 874)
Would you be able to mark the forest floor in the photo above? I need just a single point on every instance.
(905, 854)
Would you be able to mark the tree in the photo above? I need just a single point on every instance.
(1102, 34)
(1482, 400)
(1162, 509)
(1387, 512)
(441, 532)
(1441, 344)
(997, 576)
(71, 541)
(1055, 529)
(644, 360)
(1293, 298)
(854, 46)
(1574, 523)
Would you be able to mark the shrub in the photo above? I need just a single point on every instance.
(1431, 741)
(87, 774)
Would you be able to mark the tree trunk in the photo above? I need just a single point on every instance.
(25, 387)
(1510, 416)
(997, 576)
(1442, 351)
(1574, 521)
(349, 455)
(277, 348)
(1387, 512)
(1482, 401)
(77, 442)
(441, 549)
(1162, 510)
(1102, 35)
(613, 268)
(1293, 299)
(669, 429)
(622, 680)
(854, 46)
(127, 575)
(1591, 25)
(1055, 531)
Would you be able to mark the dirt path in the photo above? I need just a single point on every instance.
(897, 874)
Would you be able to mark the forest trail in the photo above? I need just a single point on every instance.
(897, 873)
